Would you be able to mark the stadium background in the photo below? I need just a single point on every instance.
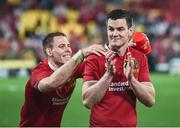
(24, 23)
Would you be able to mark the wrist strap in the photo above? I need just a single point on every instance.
(78, 57)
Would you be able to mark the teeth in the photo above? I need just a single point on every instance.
(67, 56)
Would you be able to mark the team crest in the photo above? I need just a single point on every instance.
(135, 66)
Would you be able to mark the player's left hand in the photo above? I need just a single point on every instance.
(141, 42)
(128, 67)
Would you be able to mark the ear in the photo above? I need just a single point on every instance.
(131, 31)
(49, 51)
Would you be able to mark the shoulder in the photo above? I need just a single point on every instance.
(42, 66)
(137, 54)
(95, 57)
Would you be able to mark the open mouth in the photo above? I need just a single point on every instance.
(67, 56)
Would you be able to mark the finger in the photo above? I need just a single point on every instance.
(129, 58)
(112, 68)
(132, 64)
(127, 65)
(131, 43)
(129, 55)
(101, 51)
(113, 62)
(99, 46)
(110, 56)
(97, 53)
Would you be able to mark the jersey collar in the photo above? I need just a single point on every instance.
(51, 66)
(107, 48)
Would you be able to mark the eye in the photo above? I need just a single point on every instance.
(61, 46)
(120, 29)
(69, 45)
(111, 29)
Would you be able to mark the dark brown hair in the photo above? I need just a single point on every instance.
(48, 40)
(121, 14)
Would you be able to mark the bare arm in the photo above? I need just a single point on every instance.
(94, 91)
(144, 91)
(62, 74)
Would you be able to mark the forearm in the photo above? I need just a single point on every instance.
(96, 92)
(62, 74)
(144, 92)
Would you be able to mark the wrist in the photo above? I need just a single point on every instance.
(108, 75)
(78, 57)
(132, 80)
(83, 53)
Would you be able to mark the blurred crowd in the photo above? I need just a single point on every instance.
(24, 23)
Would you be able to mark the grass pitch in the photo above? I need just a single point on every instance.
(166, 111)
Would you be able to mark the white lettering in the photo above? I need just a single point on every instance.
(57, 101)
(119, 86)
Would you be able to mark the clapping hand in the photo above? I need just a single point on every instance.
(128, 67)
(110, 62)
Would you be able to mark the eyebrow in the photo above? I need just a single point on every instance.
(115, 27)
(63, 44)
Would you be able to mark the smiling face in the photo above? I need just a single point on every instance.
(118, 34)
(60, 52)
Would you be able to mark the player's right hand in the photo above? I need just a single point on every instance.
(128, 67)
(110, 62)
(97, 49)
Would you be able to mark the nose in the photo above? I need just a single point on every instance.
(68, 49)
(115, 33)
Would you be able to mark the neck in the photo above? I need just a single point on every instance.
(120, 50)
(52, 65)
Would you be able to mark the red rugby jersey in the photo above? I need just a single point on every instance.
(118, 106)
(45, 109)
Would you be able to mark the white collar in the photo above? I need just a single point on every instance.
(51, 66)
(107, 48)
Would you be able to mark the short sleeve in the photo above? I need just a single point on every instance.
(144, 75)
(38, 75)
(91, 70)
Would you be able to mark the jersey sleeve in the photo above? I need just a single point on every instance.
(38, 75)
(78, 73)
(91, 70)
(144, 75)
